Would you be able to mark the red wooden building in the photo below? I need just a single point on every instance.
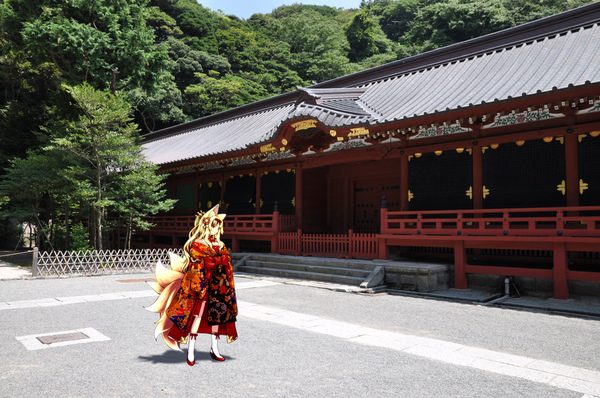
(486, 152)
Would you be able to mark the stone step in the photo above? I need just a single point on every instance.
(285, 273)
(318, 269)
(321, 261)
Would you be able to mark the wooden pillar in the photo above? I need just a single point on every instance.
(258, 179)
(561, 284)
(196, 197)
(383, 249)
(223, 205)
(572, 169)
(477, 162)
(347, 205)
(404, 183)
(235, 244)
(460, 260)
(299, 195)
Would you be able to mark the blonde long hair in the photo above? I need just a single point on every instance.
(199, 230)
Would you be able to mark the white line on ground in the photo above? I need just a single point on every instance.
(50, 302)
(568, 377)
(572, 378)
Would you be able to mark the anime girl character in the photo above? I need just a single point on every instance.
(197, 295)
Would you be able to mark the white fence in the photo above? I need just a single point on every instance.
(62, 263)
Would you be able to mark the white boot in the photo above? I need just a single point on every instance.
(191, 344)
(214, 348)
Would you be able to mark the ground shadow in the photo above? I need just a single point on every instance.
(177, 357)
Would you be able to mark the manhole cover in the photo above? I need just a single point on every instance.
(59, 338)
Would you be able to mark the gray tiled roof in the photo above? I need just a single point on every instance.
(539, 64)
(227, 136)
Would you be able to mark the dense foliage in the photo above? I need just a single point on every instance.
(171, 61)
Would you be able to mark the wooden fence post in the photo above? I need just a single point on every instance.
(561, 284)
(460, 260)
(299, 243)
(36, 253)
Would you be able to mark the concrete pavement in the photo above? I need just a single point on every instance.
(10, 271)
(295, 340)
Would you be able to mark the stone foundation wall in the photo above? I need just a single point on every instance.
(417, 277)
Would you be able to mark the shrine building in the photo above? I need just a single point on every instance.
(485, 154)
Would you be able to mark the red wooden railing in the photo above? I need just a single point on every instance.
(173, 224)
(556, 230)
(571, 221)
(351, 245)
(252, 223)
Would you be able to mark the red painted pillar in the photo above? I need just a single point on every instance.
(572, 169)
(561, 284)
(404, 183)
(383, 249)
(276, 229)
(258, 179)
(299, 243)
(477, 178)
(223, 205)
(299, 195)
(460, 260)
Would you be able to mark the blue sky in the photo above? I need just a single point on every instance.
(245, 8)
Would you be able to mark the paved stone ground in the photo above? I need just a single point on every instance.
(295, 341)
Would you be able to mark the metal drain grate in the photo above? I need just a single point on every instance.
(60, 338)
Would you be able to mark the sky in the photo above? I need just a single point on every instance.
(245, 8)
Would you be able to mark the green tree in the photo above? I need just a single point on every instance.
(318, 45)
(442, 24)
(107, 142)
(365, 37)
(213, 94)
(36, 189)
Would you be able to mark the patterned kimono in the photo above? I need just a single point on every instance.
(207, 291)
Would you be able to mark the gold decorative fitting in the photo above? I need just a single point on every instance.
(486, 192)
(548, 139)
(470, 192)
(332, 133)
(595, 133)
(469, 151)
(418, 155)
(582, 186)
(410, 195)
(340, 139)
(484, 148)
(438, 153)
(267, 148)
(210, 184)
(494, 146)
(460, 150)
(562, 187)
(294, 201)
(284, 141)
(580, 137)
(560, 139)
(520, 142)
(304, 125)
(410, 157)
(358, 131)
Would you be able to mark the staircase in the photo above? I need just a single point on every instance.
(359, 273)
